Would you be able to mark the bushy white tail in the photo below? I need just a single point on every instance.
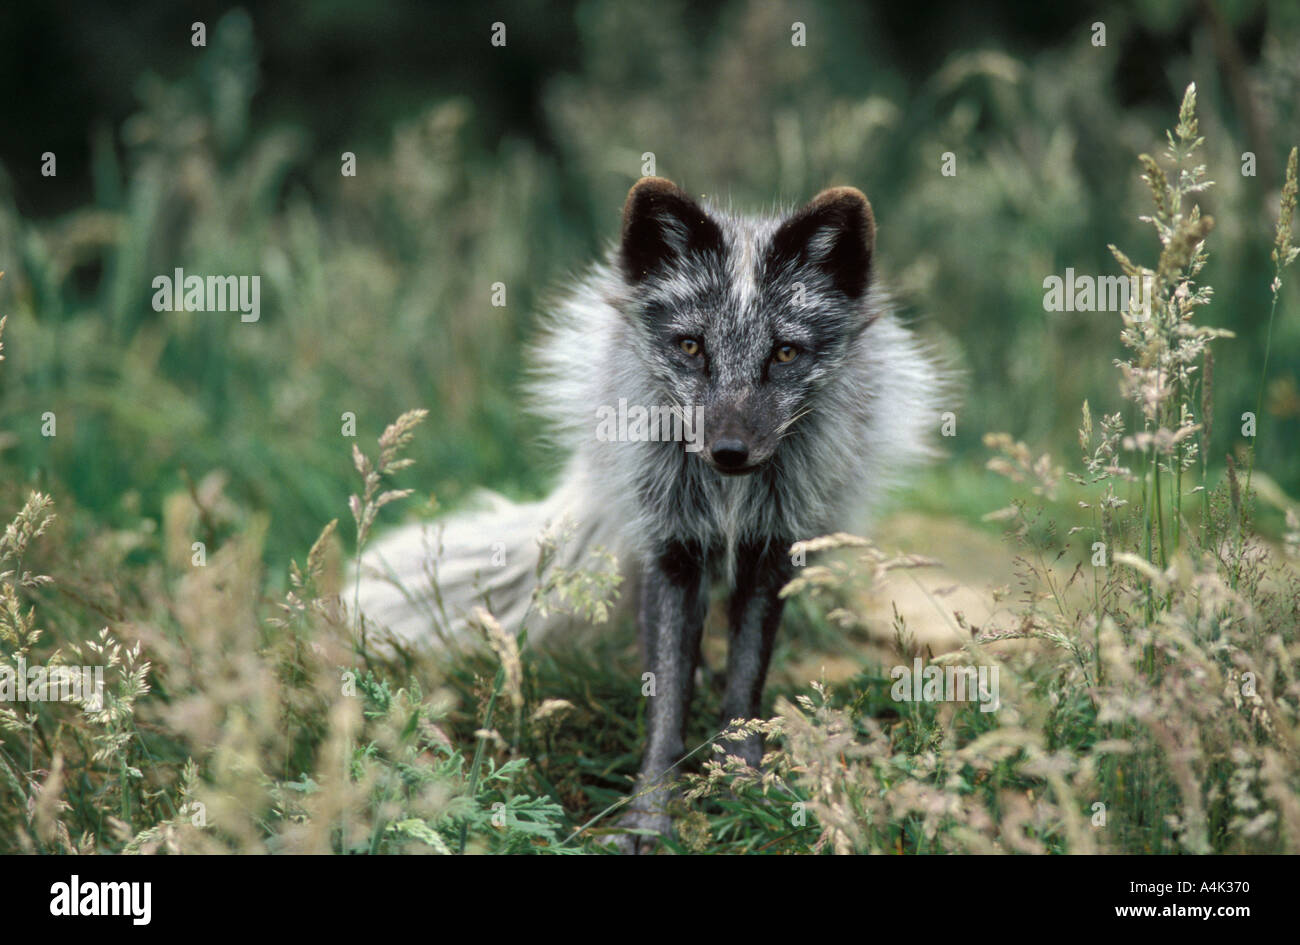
(421, 581)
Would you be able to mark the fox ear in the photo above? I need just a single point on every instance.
(835, 233)
(662, 224)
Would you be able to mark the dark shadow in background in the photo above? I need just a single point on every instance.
(347, 72)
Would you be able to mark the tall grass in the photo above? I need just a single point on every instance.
(1148, 701)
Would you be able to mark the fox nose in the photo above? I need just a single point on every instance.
(730, 454)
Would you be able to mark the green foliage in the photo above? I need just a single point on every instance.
(245, 709)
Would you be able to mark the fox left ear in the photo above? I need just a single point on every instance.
(835, 233)
(661, 226)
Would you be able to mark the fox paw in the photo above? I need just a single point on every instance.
(644, 829)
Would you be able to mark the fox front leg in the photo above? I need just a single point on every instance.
(754, 615)
(674, 601)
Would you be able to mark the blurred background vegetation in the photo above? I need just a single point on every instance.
(477, 165)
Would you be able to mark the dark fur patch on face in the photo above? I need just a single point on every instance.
(661, 224)
(835, 234)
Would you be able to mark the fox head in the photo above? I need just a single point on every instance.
(745, 319)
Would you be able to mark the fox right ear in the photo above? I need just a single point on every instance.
(662, 224)
(836, 234)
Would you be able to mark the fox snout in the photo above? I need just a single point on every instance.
(735, 445)
(729, 455)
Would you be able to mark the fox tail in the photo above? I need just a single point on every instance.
(420, 582)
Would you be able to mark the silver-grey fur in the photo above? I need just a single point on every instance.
(792, 450)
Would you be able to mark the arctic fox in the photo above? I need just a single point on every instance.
(795, 398)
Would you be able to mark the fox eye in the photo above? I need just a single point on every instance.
(785, 353)
(690, 345)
